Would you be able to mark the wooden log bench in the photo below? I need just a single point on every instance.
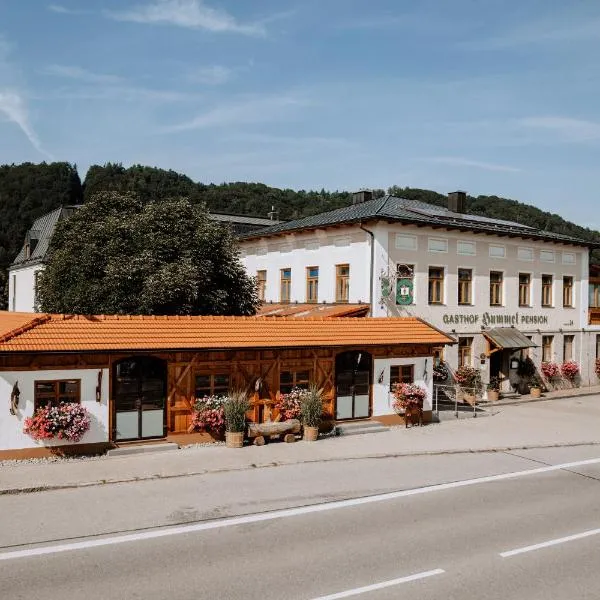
(270, 429)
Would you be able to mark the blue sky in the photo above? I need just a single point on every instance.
(495, 97)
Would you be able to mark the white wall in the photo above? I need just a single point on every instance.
(323, 249)
(383, 398)
(11, 426)
(21, 289)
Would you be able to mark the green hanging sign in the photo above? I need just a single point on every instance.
(404, 291)
(386, 289)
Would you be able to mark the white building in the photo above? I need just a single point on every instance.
(478, 279)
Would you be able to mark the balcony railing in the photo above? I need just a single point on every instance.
(594, 316)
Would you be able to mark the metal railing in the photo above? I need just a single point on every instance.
(458, 395)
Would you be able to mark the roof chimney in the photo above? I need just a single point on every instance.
(457, 202)
(362, 196)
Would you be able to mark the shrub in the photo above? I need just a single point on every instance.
(569, 370)
(468, 377)
(67, 421)
(289, 405)
(550, 370)
(526, 368)
(209, 414)
(440, 372)
(494, 384)
(235, 407)
(311, 406)
(407, 395)
(598, 367)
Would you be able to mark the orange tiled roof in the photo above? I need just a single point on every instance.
(14, 322)
(313, 310)
(62, 333)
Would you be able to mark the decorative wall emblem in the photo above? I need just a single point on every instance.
(14, 398)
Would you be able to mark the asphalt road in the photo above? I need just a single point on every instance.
(426, 527)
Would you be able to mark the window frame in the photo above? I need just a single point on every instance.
(342, 283)
(312, 284)
(497, 289)
(547, 348)
(296, 381)
(213, 389)
(467, 284)
(285, 284)
(54, 399)
(568, 347)
(405, 374)
(435, 284)
(261, 284)
(568, 291)
(526, 287)
(465, 350)
(547, 290)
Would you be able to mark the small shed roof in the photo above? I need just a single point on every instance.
(68, 333)
(508, 337)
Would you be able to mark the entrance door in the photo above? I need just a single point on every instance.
(353, 385)
(139, 396)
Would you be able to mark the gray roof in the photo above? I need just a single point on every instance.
(403, 210)
(508, 337)
(243, 219)
(41, 233)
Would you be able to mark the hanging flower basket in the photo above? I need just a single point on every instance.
(68, 421)
(408, 396)
(569, 370)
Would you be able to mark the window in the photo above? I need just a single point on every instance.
(496, 288)
(547, 256)
(312, 284)
(436, 285)
(285, 287)
(437, 245)
(594, 295)
(342, 283)
(547, 290)
(54, 392)
(465, 280)
(524, 289)
(438, 356)
(568, 342)
(568, 258)
(525, 254)
(27, 251)
(211, 384)
(401, 374)
(261, 284)
(465, 352)
(568, 291)
(292, 379)
(406, 242)
(466, 248)
(497, 251)
(547, 341)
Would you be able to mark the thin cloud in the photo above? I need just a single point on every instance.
(458, 161)
(248, 111)
(63, 10)
(575, 130)
(213, 75)
(191, 14)
(79, 74)
(13, 108)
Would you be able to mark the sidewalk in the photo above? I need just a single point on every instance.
(562, 422)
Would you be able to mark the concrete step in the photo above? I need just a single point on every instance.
(360, 427)
(142, 448)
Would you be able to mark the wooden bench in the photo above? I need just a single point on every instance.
(260, 431)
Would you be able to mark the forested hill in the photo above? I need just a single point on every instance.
(28, 191)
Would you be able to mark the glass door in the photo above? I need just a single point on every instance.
(353, 385)
(139, 397)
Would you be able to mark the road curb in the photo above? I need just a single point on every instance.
(156, 477)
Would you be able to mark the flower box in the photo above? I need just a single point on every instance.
(66, 422)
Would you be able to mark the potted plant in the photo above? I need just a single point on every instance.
(234, 409)
(469, 378)
(493, 389)
(209, 415)
(408, 400)
(535, 387)
(68, 421)
(525, 370)
(311, 408)
(550, 370)
(570, 370)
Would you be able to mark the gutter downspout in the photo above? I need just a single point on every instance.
(372, 268)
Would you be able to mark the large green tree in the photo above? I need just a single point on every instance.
(121, 255)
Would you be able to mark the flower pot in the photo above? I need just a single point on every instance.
(234, 439)
(311, 434)
(535, 392)
(493, 395)
(469, 399)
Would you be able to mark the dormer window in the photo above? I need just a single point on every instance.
(27, 251)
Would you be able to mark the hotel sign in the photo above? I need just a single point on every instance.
(487, 319)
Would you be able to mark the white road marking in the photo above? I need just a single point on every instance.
(381, 586)
(280, 514)
(563, 540)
